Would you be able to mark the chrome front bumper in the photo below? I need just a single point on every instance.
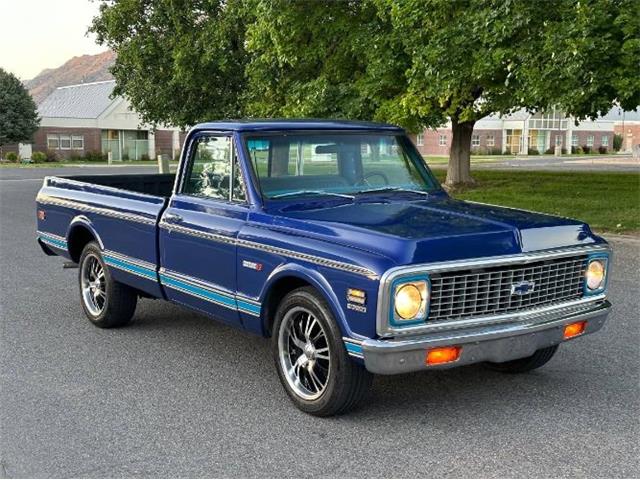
(493, 343)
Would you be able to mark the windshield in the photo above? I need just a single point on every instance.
(336, 164)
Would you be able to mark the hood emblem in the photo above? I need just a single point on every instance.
(523, 288)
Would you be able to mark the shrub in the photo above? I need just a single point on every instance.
(617, 142)
(549, 151)
(51, 156)
(602, 149)
(586, 148)
(493, 151)
(577, 150)
(75, 157)
(95, 156)
(12, 157)
(39, 157)
(533, 151)
(125, 157)
(144, 157)
(563, 151)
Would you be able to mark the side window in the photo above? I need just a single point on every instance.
(209, 171)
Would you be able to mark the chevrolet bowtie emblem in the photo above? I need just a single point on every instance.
(522, 288)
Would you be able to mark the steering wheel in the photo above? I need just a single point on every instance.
(374, 173)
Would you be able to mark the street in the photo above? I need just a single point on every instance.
(176, 394)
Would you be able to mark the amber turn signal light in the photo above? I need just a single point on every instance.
(574, 329)
(440, 355)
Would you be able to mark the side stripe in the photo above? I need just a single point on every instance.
(205, 294)
(53, 240)
(208, 292)
(128, 266)
(353, 347)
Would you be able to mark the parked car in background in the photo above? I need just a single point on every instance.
(334, 239)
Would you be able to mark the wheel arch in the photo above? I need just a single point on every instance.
(289, 277)
(80, 232)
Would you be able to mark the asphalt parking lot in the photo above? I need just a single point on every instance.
(176, 394)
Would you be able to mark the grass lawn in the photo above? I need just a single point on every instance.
(608, 202)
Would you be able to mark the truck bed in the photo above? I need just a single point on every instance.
(158, 184)
(120, 211)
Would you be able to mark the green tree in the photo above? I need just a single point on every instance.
(18, 115)
(178, 61)
(617, 142)
(472, 58)
(416, 62)
(588, 57)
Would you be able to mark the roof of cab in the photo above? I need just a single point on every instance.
(268, 125)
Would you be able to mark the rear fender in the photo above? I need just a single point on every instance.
(81, 221)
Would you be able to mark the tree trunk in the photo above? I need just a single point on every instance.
(459, 169)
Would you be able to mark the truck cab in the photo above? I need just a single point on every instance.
(333, 239)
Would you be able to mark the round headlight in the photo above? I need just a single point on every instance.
(595, 274)
(408, 301)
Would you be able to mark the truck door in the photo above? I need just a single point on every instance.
(199, 228)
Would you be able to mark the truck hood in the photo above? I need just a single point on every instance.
(435, 229)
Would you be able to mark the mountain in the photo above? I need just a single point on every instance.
(84, 69)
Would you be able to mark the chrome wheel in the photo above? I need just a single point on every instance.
(304, 353)
(93, 285)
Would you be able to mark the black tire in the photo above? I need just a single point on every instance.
(521, 365)
(119, 301)
(345, 384)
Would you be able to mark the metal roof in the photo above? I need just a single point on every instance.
(86, 100)
(297, 124)
(616, 114)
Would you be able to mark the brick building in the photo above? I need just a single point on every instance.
(81, 119)
(522, 133)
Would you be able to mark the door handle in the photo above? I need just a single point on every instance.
(172, 218)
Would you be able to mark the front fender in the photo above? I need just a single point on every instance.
(315, 279)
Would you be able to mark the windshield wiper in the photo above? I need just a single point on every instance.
(393, 189)
(311, 192)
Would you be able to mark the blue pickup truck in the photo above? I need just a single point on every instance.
(335, 240)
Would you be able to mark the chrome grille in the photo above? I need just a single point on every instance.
(488, 291)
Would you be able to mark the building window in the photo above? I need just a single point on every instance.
(558, 140)
(53, 142)
(442, 140)
(574, 140)
(605, 140)
(491, 141)
(590, 140)
(475, 140)
(420, 139)
(65, 142)
(77, 142)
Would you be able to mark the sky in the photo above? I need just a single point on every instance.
(39, 34)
